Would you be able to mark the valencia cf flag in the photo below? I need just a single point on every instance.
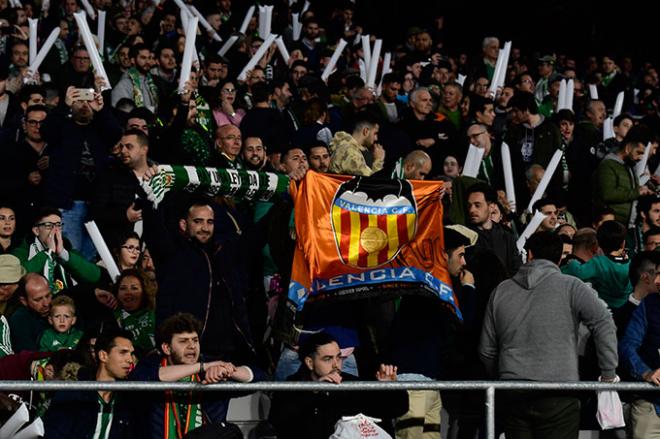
(358, 237)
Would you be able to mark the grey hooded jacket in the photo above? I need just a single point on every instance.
(530, 329)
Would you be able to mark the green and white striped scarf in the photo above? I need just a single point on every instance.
(238, 183)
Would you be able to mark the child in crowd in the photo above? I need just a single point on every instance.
(62, 335)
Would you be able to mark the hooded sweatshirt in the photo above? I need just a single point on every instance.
(530, 329)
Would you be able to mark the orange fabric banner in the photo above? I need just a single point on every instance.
(358, 237)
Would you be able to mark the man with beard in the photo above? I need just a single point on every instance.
(615, 183)
(137, 83)
(390, 107)
(179, 360)
(318, 157)
(207, 264)
(254, 154)
(113, 206)
(313, 414)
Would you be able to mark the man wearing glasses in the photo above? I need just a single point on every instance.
(228, 143)
(49, 254)
(26, 162)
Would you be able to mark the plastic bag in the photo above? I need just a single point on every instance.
(610, 412)
(359, 427)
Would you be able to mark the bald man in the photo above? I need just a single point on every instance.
(416, 165)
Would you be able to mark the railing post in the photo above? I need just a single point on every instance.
(490, 412)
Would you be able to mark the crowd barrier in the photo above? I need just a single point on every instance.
(488, 386)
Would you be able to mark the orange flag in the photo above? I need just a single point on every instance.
(357, 237)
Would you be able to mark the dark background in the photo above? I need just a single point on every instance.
(577, 28)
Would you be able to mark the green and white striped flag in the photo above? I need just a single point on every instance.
(240, 184)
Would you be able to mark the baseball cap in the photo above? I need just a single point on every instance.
(11, 269)
(547, 59)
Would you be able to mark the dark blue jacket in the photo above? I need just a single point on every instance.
(73, 414)
(639, 349)
(66, 139)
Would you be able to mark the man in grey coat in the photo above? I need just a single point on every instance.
(530, 332)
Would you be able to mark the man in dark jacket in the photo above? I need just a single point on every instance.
(80, 142)
(492, 235)
(113, 206)
(312, 415)
(102, 414)
(179, 360)
(203, 261)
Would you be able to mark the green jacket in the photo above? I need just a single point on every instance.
(615, 185)
(609, 278)
(59, 272)
(52, 341)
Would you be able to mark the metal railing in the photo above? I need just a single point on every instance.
(488, 386)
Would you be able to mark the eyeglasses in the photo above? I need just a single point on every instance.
(34, 123)
(49, 226)
(229, 90)
(132, 248)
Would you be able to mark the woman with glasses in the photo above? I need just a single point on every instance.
(127, 253)
(224, 105)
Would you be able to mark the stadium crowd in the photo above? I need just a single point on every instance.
(203, 279)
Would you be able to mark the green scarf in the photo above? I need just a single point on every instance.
(240, 184)
(181, 417)
(142, 324)
(137, 90)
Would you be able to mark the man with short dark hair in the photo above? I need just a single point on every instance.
(651, 239)
(203, 258)
(548, 208)
(114, 204)
(492, 235)
(533, 139)
(648, 217)
(318, 157)
(179, 360)
(390, 107)
(137, 83)
(358, 153)
(638, 349)
(313, 414)
(101, 414)
(608, 273)
(530, 333)
(254, 153)
(643, 273)
(615, 183)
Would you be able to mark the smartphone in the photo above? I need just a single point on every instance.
(86, 94)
